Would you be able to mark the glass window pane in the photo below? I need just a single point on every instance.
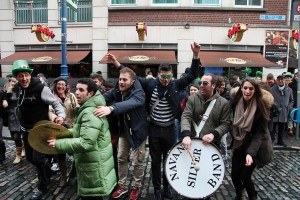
(35, 11)
(122, 1)
(164, 1)
(255, 2)
(241, 2)
(206, 1)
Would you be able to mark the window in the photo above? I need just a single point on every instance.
(116, 2)
(165, 1)
(83, 14)
(207, 2)
(31, 11)
(253, 3)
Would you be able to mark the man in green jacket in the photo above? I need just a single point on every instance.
(91, 144)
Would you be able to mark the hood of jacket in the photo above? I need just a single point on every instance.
(94, 101)
(267, 97)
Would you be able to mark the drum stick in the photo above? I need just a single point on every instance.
(195, 163)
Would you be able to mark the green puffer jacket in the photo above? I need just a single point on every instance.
(92, 149)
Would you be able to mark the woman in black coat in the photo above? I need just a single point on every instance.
(252, 143)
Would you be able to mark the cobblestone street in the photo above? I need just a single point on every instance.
(278, 180)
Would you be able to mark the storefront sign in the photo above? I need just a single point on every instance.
(236, 32)
(42, 59)
(138, 58)
(276, 46)
(141, 28)
(43, 33)
(236, 61)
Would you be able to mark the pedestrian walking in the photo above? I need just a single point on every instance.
(251, 139)
(90, 144)
(10, 102)
(127, 101)
(283, 97)
(33, 103)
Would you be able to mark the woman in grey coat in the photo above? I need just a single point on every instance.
(10, 102)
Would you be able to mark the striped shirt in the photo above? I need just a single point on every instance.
(162, 114)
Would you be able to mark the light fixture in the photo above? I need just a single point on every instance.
(187, 26)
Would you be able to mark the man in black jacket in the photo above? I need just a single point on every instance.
(34, 99)
(128, 103)
(162, 100)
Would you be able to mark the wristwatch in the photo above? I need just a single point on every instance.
(111, 108)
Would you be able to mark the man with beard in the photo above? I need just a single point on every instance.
(163, 103)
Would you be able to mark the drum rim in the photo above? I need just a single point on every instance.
(193, 138)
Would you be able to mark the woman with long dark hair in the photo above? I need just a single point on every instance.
(252, 145)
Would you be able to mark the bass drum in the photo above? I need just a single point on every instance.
(186, 178)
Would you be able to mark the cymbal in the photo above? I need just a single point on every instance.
(39, 135)
(42, 122)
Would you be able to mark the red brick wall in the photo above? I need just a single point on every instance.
(271, 7)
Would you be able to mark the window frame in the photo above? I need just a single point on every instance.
(75, 14)
(207, 5)
(31, 9)
(249, 6)
(165, 4)
(126, 4)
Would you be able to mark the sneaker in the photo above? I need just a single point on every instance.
(134, 193)
(119, 192)
(168, 192)
(157, 195)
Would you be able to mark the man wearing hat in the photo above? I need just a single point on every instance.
(283, 97)
(33, 105)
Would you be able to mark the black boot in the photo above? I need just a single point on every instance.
(239, 195)
(2, 151)
(253, 197)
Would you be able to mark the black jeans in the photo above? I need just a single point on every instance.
(241, 174)
(161, 139)
(281, 126)
(39, 161)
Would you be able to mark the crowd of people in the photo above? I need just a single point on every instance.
(110, 122)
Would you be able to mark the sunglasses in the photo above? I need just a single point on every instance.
(166, 76)
(250, 88)
(205, 83)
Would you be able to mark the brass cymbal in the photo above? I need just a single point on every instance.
(39, 135)
(42, 122)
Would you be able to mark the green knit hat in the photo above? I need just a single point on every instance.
(21, 66)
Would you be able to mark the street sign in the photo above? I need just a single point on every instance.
(272, 17)
(298, 8)
(72, 4)
(297, 18)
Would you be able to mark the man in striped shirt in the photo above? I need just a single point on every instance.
(162, 100)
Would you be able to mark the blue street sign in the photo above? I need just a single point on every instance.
(273, 17)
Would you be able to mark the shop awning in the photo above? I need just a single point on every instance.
(45, 57)
(143, 56)
(234, 59)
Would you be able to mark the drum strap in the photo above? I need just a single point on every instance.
(204, 118)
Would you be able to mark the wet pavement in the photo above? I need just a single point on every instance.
(278, 180)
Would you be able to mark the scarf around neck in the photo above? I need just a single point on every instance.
(243, 120)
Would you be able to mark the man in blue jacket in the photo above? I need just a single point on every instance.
(128, 103)
(162, 100)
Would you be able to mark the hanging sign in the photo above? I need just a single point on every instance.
(42, 32)
(236, 32)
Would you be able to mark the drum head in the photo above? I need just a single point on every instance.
(185, 179)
